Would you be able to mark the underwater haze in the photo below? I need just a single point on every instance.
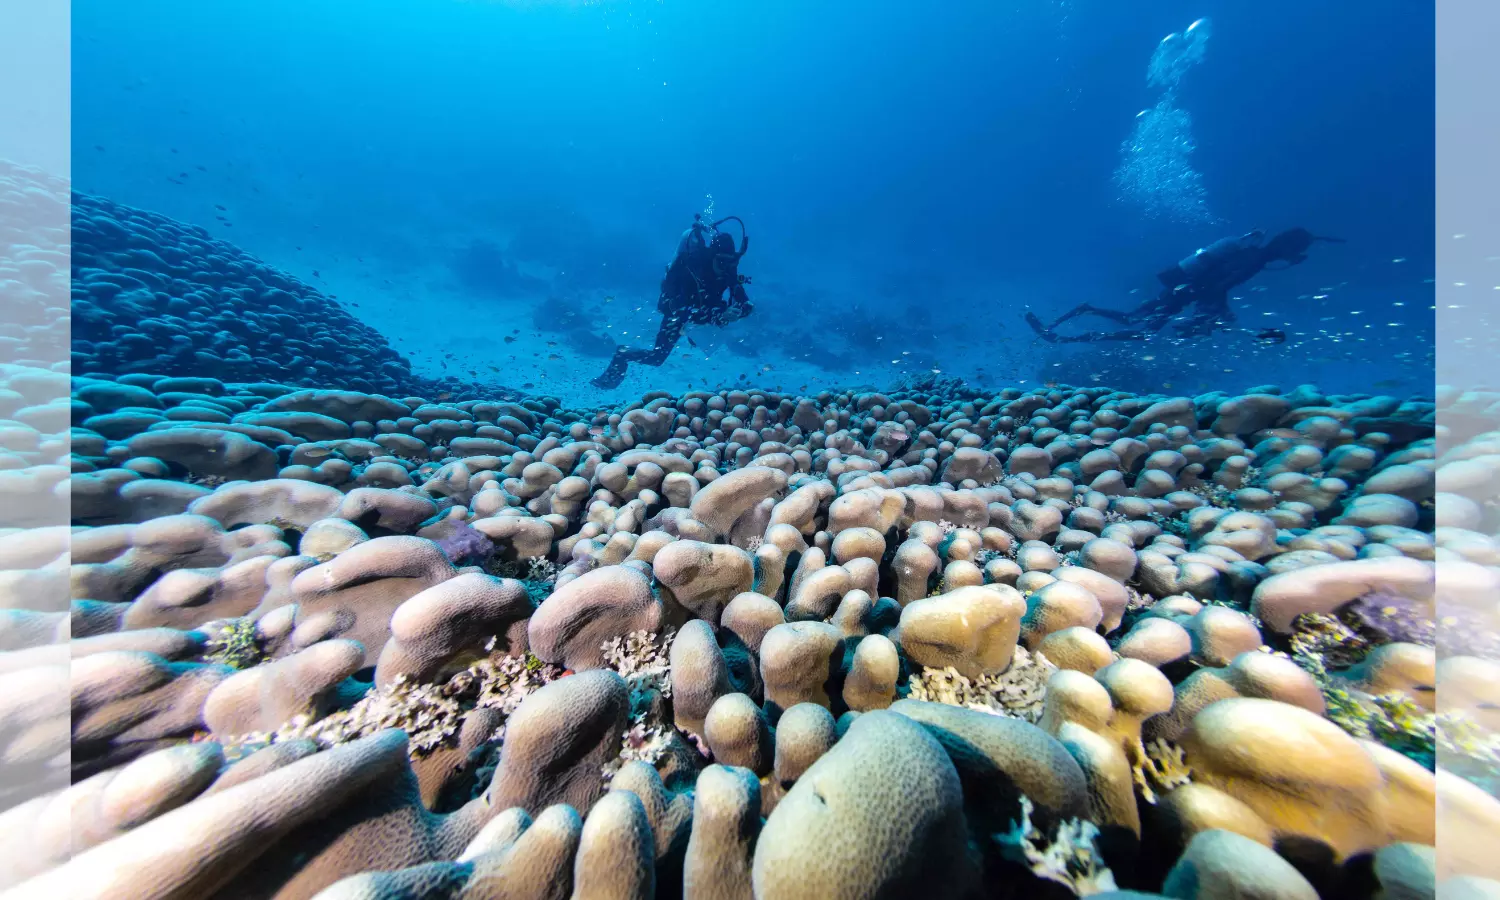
(778, 449)
(495, 187)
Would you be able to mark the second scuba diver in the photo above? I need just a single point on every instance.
(1201, 281)
(703, 286)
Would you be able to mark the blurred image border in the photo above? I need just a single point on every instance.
(35, 270)
(1467, 136)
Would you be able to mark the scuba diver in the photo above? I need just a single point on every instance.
(1201, 281)
(703, 286)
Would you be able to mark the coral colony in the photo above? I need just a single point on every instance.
(342, 632)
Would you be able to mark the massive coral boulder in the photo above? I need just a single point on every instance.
(972, 629)
(571, 626)
(558, 741)
(355, 594)
(880, 815)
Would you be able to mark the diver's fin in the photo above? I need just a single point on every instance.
(1036, 325)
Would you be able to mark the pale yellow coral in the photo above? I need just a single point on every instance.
(1163, 766)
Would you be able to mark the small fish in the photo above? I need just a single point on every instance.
(1271, 336)
(444, 395)
(552, 343)
(528, 385)
(317, 274)
(1166, 384)
(509, 339)
(1388, 383)
(553, 356)
(1053, 384)
(218, 207)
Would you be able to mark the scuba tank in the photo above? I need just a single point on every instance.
(1206, 258)
(693, 250)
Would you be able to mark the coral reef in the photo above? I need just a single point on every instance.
(152, 294)
(379, 637)
(1071, 858)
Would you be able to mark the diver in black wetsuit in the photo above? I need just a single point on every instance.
(1201, 281)
(703, 286)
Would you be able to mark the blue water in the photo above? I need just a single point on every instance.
(913, 177)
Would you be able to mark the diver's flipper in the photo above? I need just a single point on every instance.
(1036, 325)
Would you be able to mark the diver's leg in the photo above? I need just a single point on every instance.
(1123, 317)
(666, 339)
(1092, 337)
(1041, 330)
(1086, 309)
(614, 373)
(1048, 332)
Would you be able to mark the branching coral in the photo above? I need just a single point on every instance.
(642, 659)
(208, 481)
(1163, 766)
(1175, 524)
(538, 573)
(1320, 643)
(1018, 692)
(1470, 750)
(236, 645)
(1216, 495)
(1137, 601)
(986, 556)
(1071, 858)
(430, 714)
(645, 741)
(1386, 618)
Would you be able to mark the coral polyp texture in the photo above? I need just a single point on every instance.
(741, 643)
(929, 643)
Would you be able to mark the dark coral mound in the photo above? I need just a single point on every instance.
(154, 295)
